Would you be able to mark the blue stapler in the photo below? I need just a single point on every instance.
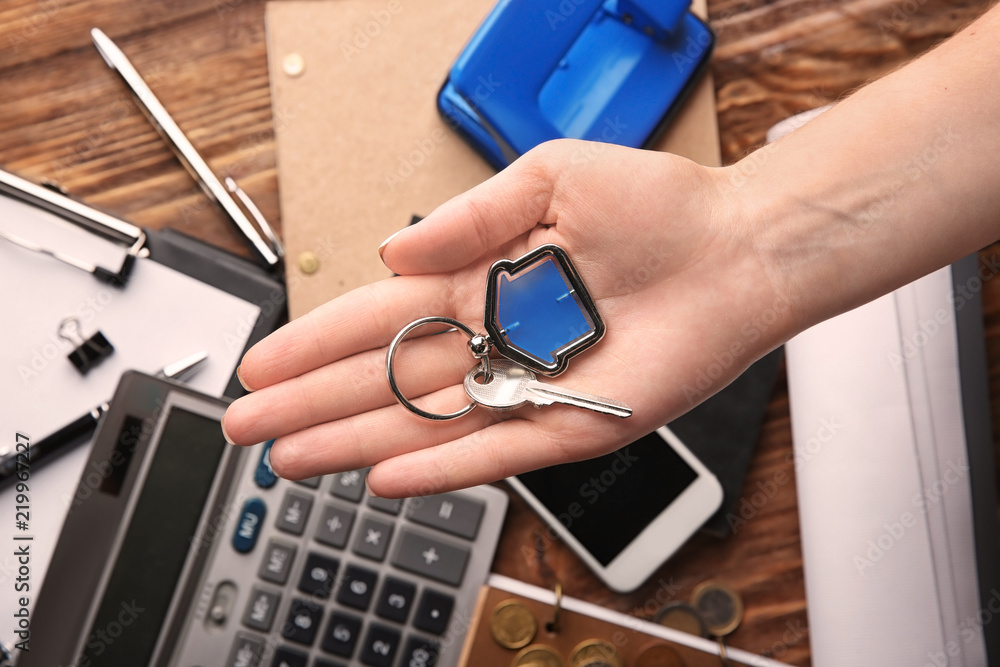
(605, 70)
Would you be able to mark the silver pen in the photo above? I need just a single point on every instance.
(270, 249)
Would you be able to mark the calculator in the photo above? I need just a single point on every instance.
(181, 550)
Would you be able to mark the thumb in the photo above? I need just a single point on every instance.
(468, 226)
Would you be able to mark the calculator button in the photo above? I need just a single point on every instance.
(430, 557)
(247, 651)
(372, 538)
(335, 526)
(433, 612)
(318, 575)
(380, 646)
(261, 607)
(277, 562)
(302, 622)
(341, 634)
(451, 512)
(249, 524)
(294, 512)
(221, 606)
(387, 505)
(310, 482)
(264, 476)
(287, 657)
(357, 587)
(349, 485)
(420, 652)
(395, 600)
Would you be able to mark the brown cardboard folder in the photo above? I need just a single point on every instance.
(360, 145)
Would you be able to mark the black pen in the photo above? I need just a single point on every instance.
(80, 430)
(47, 448)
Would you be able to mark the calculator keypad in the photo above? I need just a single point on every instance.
(345, 578)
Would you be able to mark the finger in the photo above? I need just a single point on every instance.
(364, 439)
(506, 448)
(466, 227)
(354, 385)
(363, 319)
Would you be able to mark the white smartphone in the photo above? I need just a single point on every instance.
(625, 513)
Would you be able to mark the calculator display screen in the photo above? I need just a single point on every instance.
(156, 543)
(607, 502)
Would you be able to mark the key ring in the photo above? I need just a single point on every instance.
(480, 347)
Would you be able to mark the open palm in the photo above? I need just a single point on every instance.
(686, 297)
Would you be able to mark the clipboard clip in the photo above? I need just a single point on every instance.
(97, 222)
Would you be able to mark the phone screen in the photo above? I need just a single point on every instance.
(606, 502)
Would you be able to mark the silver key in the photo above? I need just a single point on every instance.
(512, 385)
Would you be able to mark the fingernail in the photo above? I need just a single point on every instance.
(381, 248)
(240, 378)
(224, 434)
(368, 488)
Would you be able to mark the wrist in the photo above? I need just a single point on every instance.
(761, 220)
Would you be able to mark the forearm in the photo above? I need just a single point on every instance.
(895, 181)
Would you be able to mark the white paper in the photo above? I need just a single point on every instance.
(883, 485)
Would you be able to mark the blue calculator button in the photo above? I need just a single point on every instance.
(249, 524)
(265, 476)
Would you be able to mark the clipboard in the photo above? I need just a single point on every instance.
(213, 266)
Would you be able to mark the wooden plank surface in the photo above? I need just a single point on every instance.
(65, 116)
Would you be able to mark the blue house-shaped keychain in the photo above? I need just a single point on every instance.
(538, 311)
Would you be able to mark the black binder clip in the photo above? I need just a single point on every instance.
(87, 353)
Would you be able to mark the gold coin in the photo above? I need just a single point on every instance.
(719, 605)
(513, 625)
(595, 653)
(538, 655)
(659, 655)
(683, 617)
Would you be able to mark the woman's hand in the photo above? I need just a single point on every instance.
(687, 299)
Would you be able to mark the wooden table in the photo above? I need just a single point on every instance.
(65, 117)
